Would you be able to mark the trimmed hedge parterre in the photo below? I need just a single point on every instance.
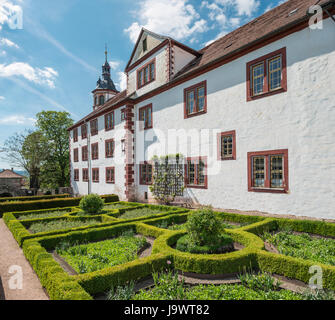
(60, 285)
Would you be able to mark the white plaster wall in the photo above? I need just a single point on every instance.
(181, 58)
(301, 120)
(102, 187)
(161, 73)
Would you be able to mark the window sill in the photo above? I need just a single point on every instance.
(110, 182)
(228, 158)
(195, 114)
(109, 129)
(268, 190)
(266, 94)
(142, 86)
(95, 181)
(109, 157)
(196, 187)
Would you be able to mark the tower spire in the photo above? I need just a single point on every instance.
(106, 51)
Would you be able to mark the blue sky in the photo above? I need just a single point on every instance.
(53, 60)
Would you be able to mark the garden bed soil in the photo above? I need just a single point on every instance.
(142, 253)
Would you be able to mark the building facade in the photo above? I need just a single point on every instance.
(253, 115)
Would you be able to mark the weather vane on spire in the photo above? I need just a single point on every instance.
(106, 52)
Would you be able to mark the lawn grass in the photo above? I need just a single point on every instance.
(42, 215)
(303, 246)
(103, 254)
(141, 212)
(38, 227)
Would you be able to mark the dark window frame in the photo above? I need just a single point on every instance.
(140, 112)
(110, 155)
(265, 61)
(75, 135)
(95, 154)
(141, 79)
(195, 89)
(111, 127)
(221, 135)
(85, 174)
(83, 153)
(95, 175)
(267, 171)
(147, 181)
(76, 155)
(112, 180)
(84, 132)
(94, 128)
(195, 183)
(76, 174)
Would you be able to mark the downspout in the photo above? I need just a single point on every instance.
(89, 187)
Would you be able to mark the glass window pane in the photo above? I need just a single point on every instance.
(259, 171)
(190, 102)
(201, 98)
(201, 173)
(227, 146)
(276, 171)
(257, 78)
(275, 70)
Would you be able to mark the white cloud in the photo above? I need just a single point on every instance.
(10, 14)
(114, 64)
(175, 18)
(122, 81)
(45, 76)
(17, 119)
(235, 22)
(8, 43)
(2, 98)
(247, 7)
(3, 53)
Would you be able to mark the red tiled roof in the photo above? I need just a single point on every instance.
(273, 20)
(9, 174)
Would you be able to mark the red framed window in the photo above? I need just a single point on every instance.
(146, 173)
(123, 114)
(227, 145)
(110, 175)
(146, 74)
(109, 148)
(95, 174)
(75, 155)
(95, 151)
(109, 121)
(267, 75)
(76, 174)
(84, 153)
(145, 117)
(94, 127)
(84, 131)
(195, 100)
(196, 172)
(85, 174)
(268, 171)
(75, 135)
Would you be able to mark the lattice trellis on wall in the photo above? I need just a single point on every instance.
(169, 178)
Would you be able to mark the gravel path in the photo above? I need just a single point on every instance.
(12, 255)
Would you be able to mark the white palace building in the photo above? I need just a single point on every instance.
(253, 115)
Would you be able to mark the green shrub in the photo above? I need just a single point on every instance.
(203, 227)
(223, 244)
(91, 203)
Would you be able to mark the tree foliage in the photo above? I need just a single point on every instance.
(53, 126)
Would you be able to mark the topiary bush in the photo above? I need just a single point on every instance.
(205, 234)
(203, 227)
(91, 203)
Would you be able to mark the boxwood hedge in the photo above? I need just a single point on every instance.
(60, 285)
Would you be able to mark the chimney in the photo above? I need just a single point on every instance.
(12, 169)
